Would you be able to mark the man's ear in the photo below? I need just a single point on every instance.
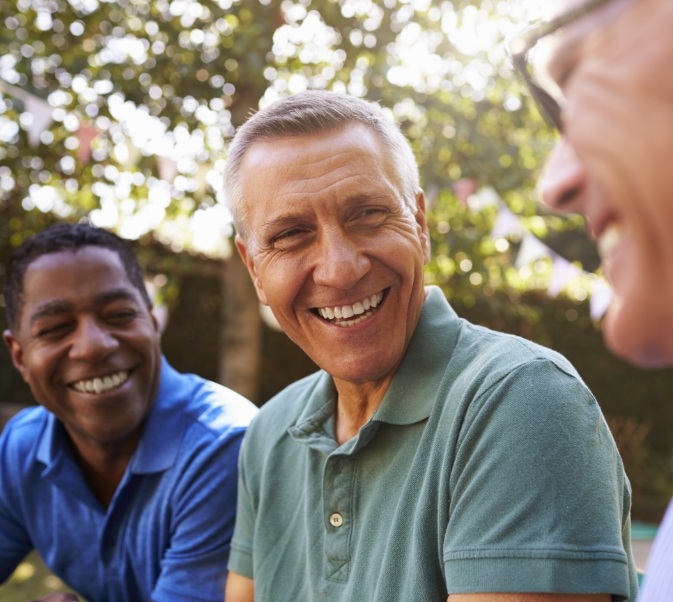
(250, 264)
(422, 224)
(15, 351)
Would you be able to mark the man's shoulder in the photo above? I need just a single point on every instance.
(20, 437)
(205, 403)
(486, 347)
(26, 424)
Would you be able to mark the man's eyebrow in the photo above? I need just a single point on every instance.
(62, 306)
(51, 308)
(282, 221)
(117, 294)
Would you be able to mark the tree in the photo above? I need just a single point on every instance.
(122, 111)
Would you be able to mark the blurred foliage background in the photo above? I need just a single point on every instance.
(121, 112)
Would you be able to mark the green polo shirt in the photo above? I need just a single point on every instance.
(488, 467)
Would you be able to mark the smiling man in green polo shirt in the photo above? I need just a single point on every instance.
(428, 457)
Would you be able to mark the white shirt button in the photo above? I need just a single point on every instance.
(336, 520)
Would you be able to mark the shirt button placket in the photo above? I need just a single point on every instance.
(337, 499)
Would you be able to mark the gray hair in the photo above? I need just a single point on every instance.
(313, 112)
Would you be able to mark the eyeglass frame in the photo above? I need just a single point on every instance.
(522, 44)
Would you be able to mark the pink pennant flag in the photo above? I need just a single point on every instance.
(464, 188)
(86, 134)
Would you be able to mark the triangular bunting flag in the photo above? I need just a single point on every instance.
(562, 272)
(41, 112)
(505, 224)
(601, 297)
(531, 250)
(86, 134)
(168, 169)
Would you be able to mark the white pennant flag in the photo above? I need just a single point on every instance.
(168, 168)
(483, 198)
(601, 297)
(531, 250)
(505, 224)
(562, 272)
(41, 112)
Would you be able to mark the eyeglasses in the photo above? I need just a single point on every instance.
(521, 45)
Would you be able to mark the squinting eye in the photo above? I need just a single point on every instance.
(371, 215)
(288, 234)
(54, 331)
(122, 316)
(289, 238)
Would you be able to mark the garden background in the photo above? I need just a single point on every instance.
(121, 112)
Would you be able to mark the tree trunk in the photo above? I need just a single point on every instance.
(241, 338)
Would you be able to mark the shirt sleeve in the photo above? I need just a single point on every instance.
(539, 499)
(204, 505)
(658, 584)
(15, 541)
(240, 559)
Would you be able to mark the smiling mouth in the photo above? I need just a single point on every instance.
(609, 240)
(101, 385)
(349, 315)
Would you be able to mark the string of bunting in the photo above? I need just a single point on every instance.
(508, 225)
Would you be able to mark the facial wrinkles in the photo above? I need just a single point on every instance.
(559, 52)
(329, 196)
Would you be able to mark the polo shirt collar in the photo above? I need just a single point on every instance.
(163, 430)
(412, 393)
(413, 390)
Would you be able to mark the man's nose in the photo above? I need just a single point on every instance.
(92, 341)
(563, 180)
(341, 260)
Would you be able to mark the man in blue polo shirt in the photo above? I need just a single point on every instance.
(124, 478)
(429, 457)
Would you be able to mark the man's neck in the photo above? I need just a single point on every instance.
(103, 466)
(356, 404)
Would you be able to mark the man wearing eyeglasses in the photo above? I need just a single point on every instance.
(606, 83)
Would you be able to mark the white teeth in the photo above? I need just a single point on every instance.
(101, 385)
(348, 311)
(610, 238)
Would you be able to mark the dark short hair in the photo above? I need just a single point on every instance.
(64, 237)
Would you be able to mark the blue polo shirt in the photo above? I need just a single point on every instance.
(166, 534)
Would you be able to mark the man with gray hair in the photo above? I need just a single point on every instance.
(428, 457)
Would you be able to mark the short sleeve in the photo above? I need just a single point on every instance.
(15, 541)
(240, 559)
(204, 505)
(539, 500)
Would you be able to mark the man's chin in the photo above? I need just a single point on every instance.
(638, 339)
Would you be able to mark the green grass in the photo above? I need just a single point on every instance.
(30, 580)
